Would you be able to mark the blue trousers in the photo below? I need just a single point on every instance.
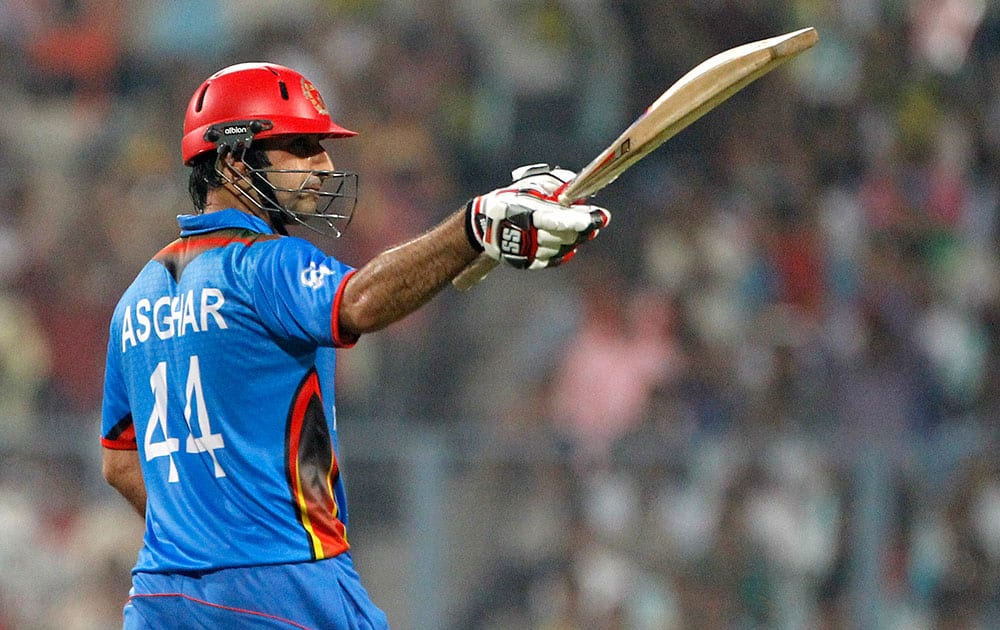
(313, 595)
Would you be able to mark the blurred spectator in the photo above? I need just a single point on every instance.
(24, 368)
(604, 380)
(72, 49)
(531, 57)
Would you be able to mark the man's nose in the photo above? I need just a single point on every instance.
(322, 161)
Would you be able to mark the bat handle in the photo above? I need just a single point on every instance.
(475, 272)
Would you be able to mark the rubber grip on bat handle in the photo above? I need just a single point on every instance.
(475, 272)
(481, 266)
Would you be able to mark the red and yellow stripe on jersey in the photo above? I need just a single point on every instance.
(313, 472)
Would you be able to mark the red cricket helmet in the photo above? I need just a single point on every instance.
(254, 100)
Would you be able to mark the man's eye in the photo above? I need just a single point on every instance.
(305, 146)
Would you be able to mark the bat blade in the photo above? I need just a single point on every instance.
(696, 93)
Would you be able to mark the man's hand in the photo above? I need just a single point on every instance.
(524, 224)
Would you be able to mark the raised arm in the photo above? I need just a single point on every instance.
(402, 279)
(522, 224)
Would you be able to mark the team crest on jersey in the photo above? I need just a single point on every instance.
(314, 276)
(313, 96)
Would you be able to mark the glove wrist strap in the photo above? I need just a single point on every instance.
(470, 229)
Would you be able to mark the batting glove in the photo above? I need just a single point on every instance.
(524, 224)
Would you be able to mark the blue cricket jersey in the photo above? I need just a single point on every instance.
(220, 372)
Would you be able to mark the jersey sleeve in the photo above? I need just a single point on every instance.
(117, 429)
(297, 290)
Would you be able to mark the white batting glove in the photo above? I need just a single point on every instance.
(541, 177)
(524, 224)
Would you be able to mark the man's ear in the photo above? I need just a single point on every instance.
(229, 163)
(235, 171)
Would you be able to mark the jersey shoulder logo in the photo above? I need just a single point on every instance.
(314, 276)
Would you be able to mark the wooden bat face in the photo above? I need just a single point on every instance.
(696, 93)
(692, 96)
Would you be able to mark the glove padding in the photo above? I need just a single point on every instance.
(524, 224)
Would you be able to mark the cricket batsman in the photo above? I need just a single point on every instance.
(219, 417)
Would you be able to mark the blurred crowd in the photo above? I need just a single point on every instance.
(765, 397)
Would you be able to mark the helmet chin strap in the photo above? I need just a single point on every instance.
(278, 222)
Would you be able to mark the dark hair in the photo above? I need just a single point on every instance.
(205, 177)
(202, 178)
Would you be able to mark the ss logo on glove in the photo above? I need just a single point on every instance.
(510, 239)
(514, 236)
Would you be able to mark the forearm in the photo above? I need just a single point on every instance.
(400, 280)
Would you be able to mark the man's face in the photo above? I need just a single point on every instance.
(296, 191)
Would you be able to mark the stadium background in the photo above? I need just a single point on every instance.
(766, 397)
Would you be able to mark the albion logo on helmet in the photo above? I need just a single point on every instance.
(312, 94)
(234, 130)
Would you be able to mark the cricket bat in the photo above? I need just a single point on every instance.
(693, 95)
